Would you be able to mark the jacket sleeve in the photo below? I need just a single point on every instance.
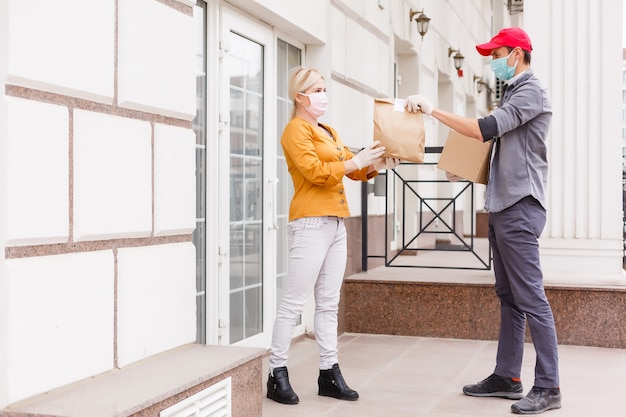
(359, 174)
(524, 105)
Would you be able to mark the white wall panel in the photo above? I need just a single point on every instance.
(305, 20)
(584, 229)
(63, 46)
(156, 65)
(37, 195)
(112, 177)
(174, 180)
(156, 300)
(350, 107)
(60, 320)
(364, 53)
(338, 47)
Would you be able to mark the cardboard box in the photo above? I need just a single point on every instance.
(466, 157)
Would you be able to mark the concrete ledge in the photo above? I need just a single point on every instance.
(147, 387)
(377, 304)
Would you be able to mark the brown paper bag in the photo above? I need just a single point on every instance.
(465, 157)
(400, 132)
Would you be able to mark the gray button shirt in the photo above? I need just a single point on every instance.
(519, 164)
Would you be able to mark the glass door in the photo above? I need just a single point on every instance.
(243, 187)
(247, 164)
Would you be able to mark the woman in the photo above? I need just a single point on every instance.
(317, 161)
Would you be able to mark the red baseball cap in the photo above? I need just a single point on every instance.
(511, 37)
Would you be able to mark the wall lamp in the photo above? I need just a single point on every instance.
(480, 87)
(421, 21)
(458, 58)
(480, 84)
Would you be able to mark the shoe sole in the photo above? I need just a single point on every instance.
(550, 407)
(507, 395)
(338, 397)
(282, 402)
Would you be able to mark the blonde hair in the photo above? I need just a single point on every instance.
(300, 80)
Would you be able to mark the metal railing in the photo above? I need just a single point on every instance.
(432, 220)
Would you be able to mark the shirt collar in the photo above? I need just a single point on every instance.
(517, 77)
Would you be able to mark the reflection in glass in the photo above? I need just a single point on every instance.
(253, 187)
(254, 124)
(254, 253)
(237, 253)
(237, 195)
(236, 316)
(253, 306)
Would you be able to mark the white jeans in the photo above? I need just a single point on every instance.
(317, 262)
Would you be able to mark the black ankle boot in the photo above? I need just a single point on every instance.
(332, 384)
(279, 389)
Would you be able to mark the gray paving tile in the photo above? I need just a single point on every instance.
(400, 376)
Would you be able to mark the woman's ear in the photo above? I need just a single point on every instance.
(301, 98)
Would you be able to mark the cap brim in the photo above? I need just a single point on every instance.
(486, 48)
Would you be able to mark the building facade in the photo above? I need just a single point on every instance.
(144, 190)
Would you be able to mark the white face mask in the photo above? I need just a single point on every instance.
(319, 104)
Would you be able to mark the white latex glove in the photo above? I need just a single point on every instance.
(386, 163)
(417, 102)
(452, 177)
(368, 155)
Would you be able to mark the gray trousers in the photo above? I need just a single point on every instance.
(514, 234)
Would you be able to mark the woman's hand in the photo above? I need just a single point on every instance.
(386, 163)
(368, 155)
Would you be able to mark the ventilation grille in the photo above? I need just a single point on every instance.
(214, 401)
(499, 89)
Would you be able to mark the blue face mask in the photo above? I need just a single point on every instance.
(501, 69)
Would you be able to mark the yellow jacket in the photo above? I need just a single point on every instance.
(316, 165)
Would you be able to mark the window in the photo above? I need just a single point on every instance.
(288, 57)
(199, 127)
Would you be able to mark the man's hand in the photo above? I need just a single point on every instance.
(386, 163)
(417, 102)
(452, 177)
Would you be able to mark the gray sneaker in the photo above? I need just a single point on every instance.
(496, 386)
(537, 401)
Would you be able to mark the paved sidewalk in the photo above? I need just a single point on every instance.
(400, 376)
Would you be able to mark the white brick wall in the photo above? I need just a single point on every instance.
(61, 320)
(156, 68)
(63, 46)
(112, 177)
(37, 195)
(156, 300)
(174, 180)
